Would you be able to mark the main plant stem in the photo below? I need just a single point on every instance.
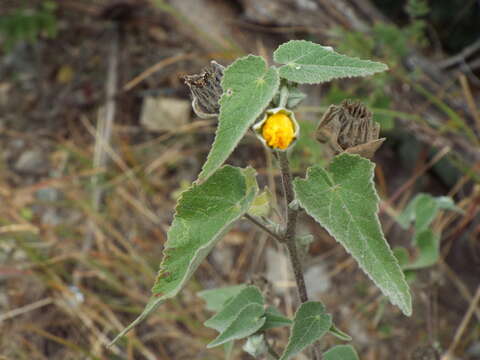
(289, 237)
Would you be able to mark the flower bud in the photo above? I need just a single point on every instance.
(278, 129)
(206, 90)
(350, 128)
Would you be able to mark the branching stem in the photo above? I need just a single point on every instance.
(264, 227)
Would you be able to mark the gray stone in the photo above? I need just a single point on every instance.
(32, 161)
(164, 114)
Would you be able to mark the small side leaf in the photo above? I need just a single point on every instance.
(423, 209)
(310, 63)
(216, 298)
(274, 318)
(309, 325)
(344, 201)
(261, 204)
(426, 208)
(204, 214)
(248, 87)
(248, 321)
(233, 307)
(339, 333)
(428, 245)
(341, 352)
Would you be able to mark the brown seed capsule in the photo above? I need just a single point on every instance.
(206, 90)
(349, 127)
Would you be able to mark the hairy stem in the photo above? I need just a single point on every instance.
(289, 237)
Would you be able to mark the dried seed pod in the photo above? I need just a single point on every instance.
(206, 90)
(349, 127)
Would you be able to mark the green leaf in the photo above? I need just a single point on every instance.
(426, 208)
(341, 352)
(204, 214)
(216, 298)
(261, 204)
(249, 85)
(344, 201)
(339, 333)
(423, 209)
(248, 321)
(274, 318)
(233, 307)
(428, 245)
(309, 325)
(310, 63)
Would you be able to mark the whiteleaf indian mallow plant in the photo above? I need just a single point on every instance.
(251, 95)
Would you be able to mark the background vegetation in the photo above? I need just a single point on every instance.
(97, 139)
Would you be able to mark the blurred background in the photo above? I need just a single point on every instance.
(97, 140)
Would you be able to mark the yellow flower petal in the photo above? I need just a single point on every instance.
(278, 131)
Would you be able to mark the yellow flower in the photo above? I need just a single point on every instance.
(278, 131)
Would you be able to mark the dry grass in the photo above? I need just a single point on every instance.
(60, 300)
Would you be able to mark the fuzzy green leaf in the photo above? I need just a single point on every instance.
(249, 85)
(310, 63)
(216, 298)
(248, 321)
(233, 307)
(341, 352)
(344, 201)
(204, 214)
(309, 325)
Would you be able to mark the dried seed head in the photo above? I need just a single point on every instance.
(349, 127)
(206, 90)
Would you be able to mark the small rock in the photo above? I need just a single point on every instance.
(51, 217)
(164, 114)
(32, 161)
(49, 194)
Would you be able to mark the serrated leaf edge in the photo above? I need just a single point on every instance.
(286, 65)
(407, 309)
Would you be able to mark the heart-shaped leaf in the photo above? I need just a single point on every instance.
(344, 201)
